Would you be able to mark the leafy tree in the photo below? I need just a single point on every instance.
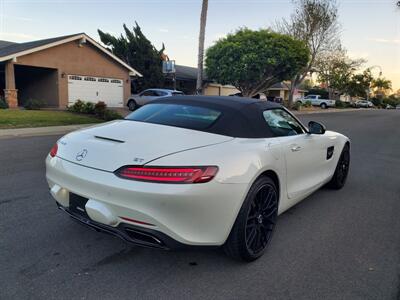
(315, 23)
(137, 51)
(382, 85)
(252, 61)
(359, 84)
(318, 91)
(335, 70)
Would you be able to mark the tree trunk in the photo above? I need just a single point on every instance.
(331, 93)
(292, 88)
(290, 100)
(203, 19)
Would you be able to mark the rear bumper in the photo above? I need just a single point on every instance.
(133, 234)
(188, 214)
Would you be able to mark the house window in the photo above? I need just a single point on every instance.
(74, 77)
(115, 81)
(90, 79)
(103, 80)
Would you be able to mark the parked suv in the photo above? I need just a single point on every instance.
(149, 95)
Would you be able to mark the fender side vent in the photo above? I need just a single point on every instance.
(329, 152)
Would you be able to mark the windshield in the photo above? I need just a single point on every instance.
(185, 116)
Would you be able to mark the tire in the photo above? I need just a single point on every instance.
(255, 223)
(132, 105)
(324, 106)
(299, 102)
(342, 169)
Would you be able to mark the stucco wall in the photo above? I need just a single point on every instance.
(69, 58)
(214, 89)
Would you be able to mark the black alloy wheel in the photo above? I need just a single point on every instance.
(255, 223)
(261, 219)
(342, 169)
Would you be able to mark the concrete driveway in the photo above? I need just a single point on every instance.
(334, 245)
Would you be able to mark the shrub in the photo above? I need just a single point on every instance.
(297, 106)
(308, 103)
(100, 109)
(339, 104)
(110, 115)
(77, 106)
(88, 108)
(392, 101)
(3, 103)
(34, 104)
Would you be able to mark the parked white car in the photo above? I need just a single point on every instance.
(195, 171)
(363, 103)
(149, 95)
(317, 100)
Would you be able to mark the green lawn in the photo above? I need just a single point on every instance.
(10, 118)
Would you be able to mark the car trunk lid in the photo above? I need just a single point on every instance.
(113, 145)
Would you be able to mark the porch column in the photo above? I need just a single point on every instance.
(10, 92)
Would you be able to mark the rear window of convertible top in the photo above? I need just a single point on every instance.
(179, 115)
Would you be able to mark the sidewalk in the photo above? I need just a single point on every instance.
(325, 111)
(37, 131)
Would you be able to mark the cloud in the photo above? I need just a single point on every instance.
(165, 30)
(385, 41)
(18, 37)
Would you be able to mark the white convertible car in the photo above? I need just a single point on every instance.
(195, 171)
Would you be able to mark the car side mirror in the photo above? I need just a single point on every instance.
(316, 128)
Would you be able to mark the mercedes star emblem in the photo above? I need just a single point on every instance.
(81, 155)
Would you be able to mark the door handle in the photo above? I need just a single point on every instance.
(296, 148)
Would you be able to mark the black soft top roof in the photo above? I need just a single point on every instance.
(240, 117)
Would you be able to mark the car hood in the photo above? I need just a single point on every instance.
(115, 144)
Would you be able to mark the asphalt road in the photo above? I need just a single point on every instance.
(333, 245)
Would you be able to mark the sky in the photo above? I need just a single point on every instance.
(369, 29)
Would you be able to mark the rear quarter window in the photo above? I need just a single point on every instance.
(184, 116)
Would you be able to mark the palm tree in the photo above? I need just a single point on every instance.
(203, 19)
(382, 85)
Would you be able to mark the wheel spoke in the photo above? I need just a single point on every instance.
(261, 218)
(270, 213)
(251, 236)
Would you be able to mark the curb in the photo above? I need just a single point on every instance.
(329, 110)
(39, 131)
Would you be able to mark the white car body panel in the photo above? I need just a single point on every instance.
(134, 143)
(193, 214)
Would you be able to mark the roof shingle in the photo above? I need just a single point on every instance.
(9, 48)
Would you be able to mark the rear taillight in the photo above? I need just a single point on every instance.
(53, 150)
(169, 174)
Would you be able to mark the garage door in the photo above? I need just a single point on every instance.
(94, 89)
